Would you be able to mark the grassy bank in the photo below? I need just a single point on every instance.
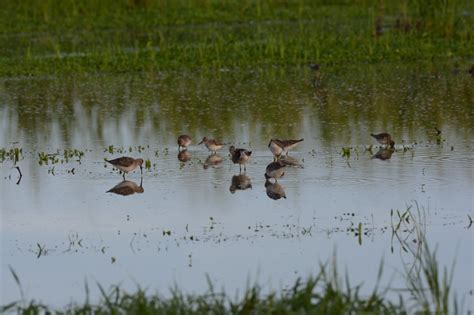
(428, 292)
(56, 37)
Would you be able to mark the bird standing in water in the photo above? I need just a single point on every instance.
(183, 142)
(277, 147)
(275, 170)
(384, 139)
(211, 144)
(240, 156)
(126, 164)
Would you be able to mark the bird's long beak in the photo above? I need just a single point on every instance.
(200, 142)
(141, 169)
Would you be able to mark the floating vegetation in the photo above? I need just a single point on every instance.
(346, 152)
(72, 153)
(121, 150)
(147, 164)
(45, 158)
(12, 154)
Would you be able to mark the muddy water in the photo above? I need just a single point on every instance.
(184, 220)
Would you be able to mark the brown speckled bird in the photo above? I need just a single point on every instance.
(211, 144)
(184, 141)
(240, 156)
(384, 139)
(277, 147)
(126, 164)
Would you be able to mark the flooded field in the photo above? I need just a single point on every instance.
(69, 219)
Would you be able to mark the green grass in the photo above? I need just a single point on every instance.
(325, 293)
(55, 36)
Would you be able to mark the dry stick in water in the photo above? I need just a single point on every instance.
(21, 175)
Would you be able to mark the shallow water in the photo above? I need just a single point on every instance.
(60, 227)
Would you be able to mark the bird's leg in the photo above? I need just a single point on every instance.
(123, 175)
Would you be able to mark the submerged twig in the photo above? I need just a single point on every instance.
(21, 175)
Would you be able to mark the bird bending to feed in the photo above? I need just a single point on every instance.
(184, 141)
(127, 188)
(240, 156)
(126, 164)
(384, 139)
(275, 170)
(211, 144)
(277, 147)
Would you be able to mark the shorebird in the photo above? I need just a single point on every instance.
(274, 191)
(126, 164)
(384, 139)
(240, 156)
(291, 161)
(275, 170)
(126, 188)
(240, 182)
(279, 146)
(211, 144)
(184, 141)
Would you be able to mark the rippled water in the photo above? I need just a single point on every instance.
(60, 227)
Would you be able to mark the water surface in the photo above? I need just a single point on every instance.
(60, 227)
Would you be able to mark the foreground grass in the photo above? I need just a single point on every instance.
(429, 293)
(64, 36)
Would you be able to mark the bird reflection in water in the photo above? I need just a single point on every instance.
(274, 190)
(127, 187)
(213, 160)
(383, 154)
(184, 156)
(240, 182)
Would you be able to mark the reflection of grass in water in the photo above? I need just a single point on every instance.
(324, 293)
(12, 154)
(67, 36)
(269, 103)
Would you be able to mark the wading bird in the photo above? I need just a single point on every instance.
(126, 164)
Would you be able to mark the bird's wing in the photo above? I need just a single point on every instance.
(122, 161)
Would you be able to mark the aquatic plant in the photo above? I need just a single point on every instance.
(13, 154)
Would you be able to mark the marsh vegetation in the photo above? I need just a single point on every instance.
(82, 82)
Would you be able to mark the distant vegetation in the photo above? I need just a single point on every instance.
(64, 36)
